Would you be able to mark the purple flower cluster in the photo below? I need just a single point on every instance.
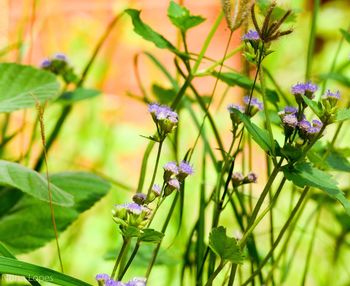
(307, 88)
(254, 106)
(162, 112)
(132, 214)
(251, 35)
(175, 174)
(254, 102)
(238, 178)
(46, 63)
(105, 280)
(330, 94)
(164, 117)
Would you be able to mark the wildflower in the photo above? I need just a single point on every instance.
(290, 110)
(111, 282)
(330, 101)
(290, 120)
(234, 117)
(307, 89)
(251, 35)
(171, 185)
(60, 57)
(237, 179)
(139, 198)
(137, 281)
(317, 123)
(252, 105)
(102, 277)
(165, 118)
(45, 64)
(304, 125)
(250, 178)
(154, 193)
(185, 169)
(170, 169)
(130, 214)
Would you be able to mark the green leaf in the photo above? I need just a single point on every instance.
(32, 183)
(28, 224)
(342, 115)
(181, 17)
(225, 247)
(151, 235)
(316, 107)
(260, 136)
(131, 231)
(346, 35)
(147, 32)
(23, 86)
(337, 161)
(20, 268)
(78, 94)
(303, 174)
(163, 95)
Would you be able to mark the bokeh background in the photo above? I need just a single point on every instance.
(103, 134)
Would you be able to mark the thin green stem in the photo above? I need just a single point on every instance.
(312, 37)
(120, 255)
(155, 167)
(215, 273)
(132, 256)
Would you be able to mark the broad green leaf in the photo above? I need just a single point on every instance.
(260, 136)
(147, 32)
(225, 247)
(337, 77)
(346, 35)
(163, 95)
(181, 17)
(151, 235)
(23, 86)
(28, 224)
(20, 268)
(342, 115)
(337, 161)
(131, 231)
(32, 183)
(315, 106)
(81, 93)
(303, 174)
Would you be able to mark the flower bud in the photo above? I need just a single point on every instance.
(237, 179)
(171, 185)
(139, 198)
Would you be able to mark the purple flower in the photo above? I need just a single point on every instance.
(307, 88)
(102, 277)
(330, 94)
(171, 167)
(134, 208)
(237, 178)
(254, 102)
(60, 56)
(304, 125)
(45, 63)
(317, 123)
(290, 120)
(174, 183)
(290, 110)
(165, 118)
(185, 168)
(137, 281)
(313, 130)
(251, 35)
(232, 106)
(156, 189)
(139, 198)
(251, 177)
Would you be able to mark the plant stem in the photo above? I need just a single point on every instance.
(120, 255)
(312, 37)
(155, 167)
(215, 273)
(132, 256)
(280, 236)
